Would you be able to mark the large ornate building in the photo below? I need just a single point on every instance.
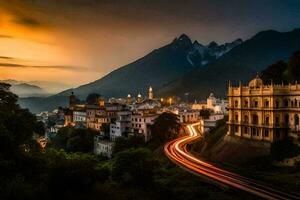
(264, 112)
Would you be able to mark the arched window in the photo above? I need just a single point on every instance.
(246, 104)
(266, 103)
(267, 120)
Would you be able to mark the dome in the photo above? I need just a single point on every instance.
(256, 82)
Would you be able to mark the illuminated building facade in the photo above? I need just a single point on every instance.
(264, 112)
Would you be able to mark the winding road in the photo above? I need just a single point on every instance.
(177, 152)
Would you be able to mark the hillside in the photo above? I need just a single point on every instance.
(241, 63)
(156, 69)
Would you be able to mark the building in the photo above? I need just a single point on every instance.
(212, 103)
(208, 124)
(121, 126)
(264, 112)
(102, 147)
(150, 93)
(141, 123)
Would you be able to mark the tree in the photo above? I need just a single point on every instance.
(134, 167)
(122, 143)
(75, 140)
(166, 126)
(17, 125)
(294, 67)
(205, 113)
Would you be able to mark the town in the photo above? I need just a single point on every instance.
(129, 116)
(143, 100)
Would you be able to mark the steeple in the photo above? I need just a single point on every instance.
(150, 93)
(72, 99)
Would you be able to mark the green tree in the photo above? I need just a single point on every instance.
(205, 113)
(294, 67)
(166, 126)
(134, 167)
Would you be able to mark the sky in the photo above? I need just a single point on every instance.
(73, 42)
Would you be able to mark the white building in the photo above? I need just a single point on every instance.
(102, 147)
(207, 124)
(212, 103)
(141, 122)
(121, 125)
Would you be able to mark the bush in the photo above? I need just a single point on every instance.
(134, 167)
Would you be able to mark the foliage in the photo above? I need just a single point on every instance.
(284, 149)
(166, 126)
(75, 140)
(282, 72)
(134, 167)
(205, 113)
(122, 143)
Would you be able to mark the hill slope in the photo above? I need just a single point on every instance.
(156, 69)
(241, 63)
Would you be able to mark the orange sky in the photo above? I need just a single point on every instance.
(78, 41)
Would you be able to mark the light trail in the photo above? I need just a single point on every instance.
(176, 150)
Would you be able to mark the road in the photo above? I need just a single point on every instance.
(177, 152)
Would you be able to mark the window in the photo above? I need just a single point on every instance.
(246, 130)
(246, 119)
(266, 133)
(286, 119)
(286, 103)
(255, 104)
(267, 120)
(246, 104)
(236, 118)
(277, 104)
(276, 120)
(255, 119)
(267, 104)
(254, 132)
(236, 129)
(236, 103)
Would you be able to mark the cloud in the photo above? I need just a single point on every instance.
(6, 58)
(63, 67)
(27, 21)
(5, 36)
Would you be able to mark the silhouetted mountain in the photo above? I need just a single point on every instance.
(241, 63)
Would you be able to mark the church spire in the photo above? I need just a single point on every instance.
(150, 93)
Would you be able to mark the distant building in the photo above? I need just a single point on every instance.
(150, 93)
(121, 126)
(102, 147)
(264, 112)
(212, 103)
(141, 123)
(208, 124)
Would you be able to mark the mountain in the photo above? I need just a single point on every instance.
(25, 89)
(239, 64)
(156, 69)
(49, 87)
